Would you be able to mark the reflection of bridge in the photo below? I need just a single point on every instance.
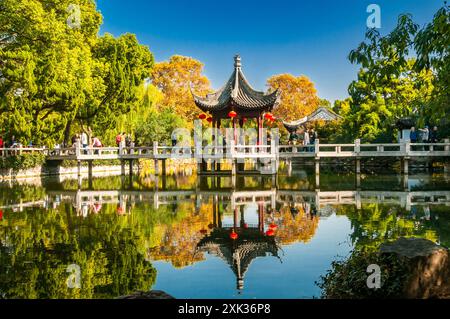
(405, 199)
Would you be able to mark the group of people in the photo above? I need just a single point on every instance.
(85, 140)
(303, 137)
(124, 140)
(424, 135)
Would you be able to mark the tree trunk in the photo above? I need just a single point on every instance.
(67, 136)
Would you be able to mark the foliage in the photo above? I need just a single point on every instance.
(298, 96)
(432, 45)
(22, 161)
(56, 78)
(159, 127)
(388, 87)
(175, 79)
(347, 279)
(391, 84)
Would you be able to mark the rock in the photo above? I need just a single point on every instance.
(153, 294)
(428, 265)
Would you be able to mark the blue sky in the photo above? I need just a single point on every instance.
(279, 36)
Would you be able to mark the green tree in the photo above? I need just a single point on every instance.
(388, 86)
(432, 45)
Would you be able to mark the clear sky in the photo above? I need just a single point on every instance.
(280, 36)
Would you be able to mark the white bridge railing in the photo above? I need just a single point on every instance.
(317, 150)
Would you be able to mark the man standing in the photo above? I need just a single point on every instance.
(84, 141)
(434, 135)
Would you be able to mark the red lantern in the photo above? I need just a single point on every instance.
(232, 114)
(245, 225)
(268, 116)
(234, 235)
(202, 116)
(273, 226)
(209, 119)
(270, 233)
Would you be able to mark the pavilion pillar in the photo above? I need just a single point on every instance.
(221, 144)
(259, 130)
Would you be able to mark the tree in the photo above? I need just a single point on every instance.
(298, 96)
(159, 127)
(45, 66)
(122, 64)
(175, 78)
(432, 45)
(388, 87)
(57, 76)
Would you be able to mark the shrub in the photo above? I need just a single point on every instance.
(347, 279)
(22, 161)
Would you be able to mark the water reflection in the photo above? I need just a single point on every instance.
(275, 236)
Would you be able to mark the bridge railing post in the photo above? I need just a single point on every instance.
(447, 147)
(407, 147)
(77, 148)
(357, 146)
(155, 148)
(316, 147)
(120, 148)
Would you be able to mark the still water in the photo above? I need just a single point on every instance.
(209, 237)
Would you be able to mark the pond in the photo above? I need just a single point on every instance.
(205, 237)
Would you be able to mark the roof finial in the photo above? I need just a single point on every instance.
(237, 61)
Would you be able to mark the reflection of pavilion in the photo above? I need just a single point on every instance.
(239, 253)
(239, 243)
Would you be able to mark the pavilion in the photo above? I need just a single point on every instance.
(237, 100)
(322, 113)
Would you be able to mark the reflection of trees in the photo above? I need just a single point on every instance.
(36, 248)
(17, 193)
(295, 227)
(178, 241)
(375, 224)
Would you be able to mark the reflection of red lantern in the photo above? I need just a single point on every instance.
(234, 235)
(273, 226)
(209, 119)
(202, 116)
(232, 114)
(268, 116)
(270, 233)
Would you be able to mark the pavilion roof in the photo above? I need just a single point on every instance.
(239, 253)
(321, 113)
(238, 94)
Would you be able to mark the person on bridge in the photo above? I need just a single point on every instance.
(306, 139)
(84, 141)
(434, 135)
(413, 135)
